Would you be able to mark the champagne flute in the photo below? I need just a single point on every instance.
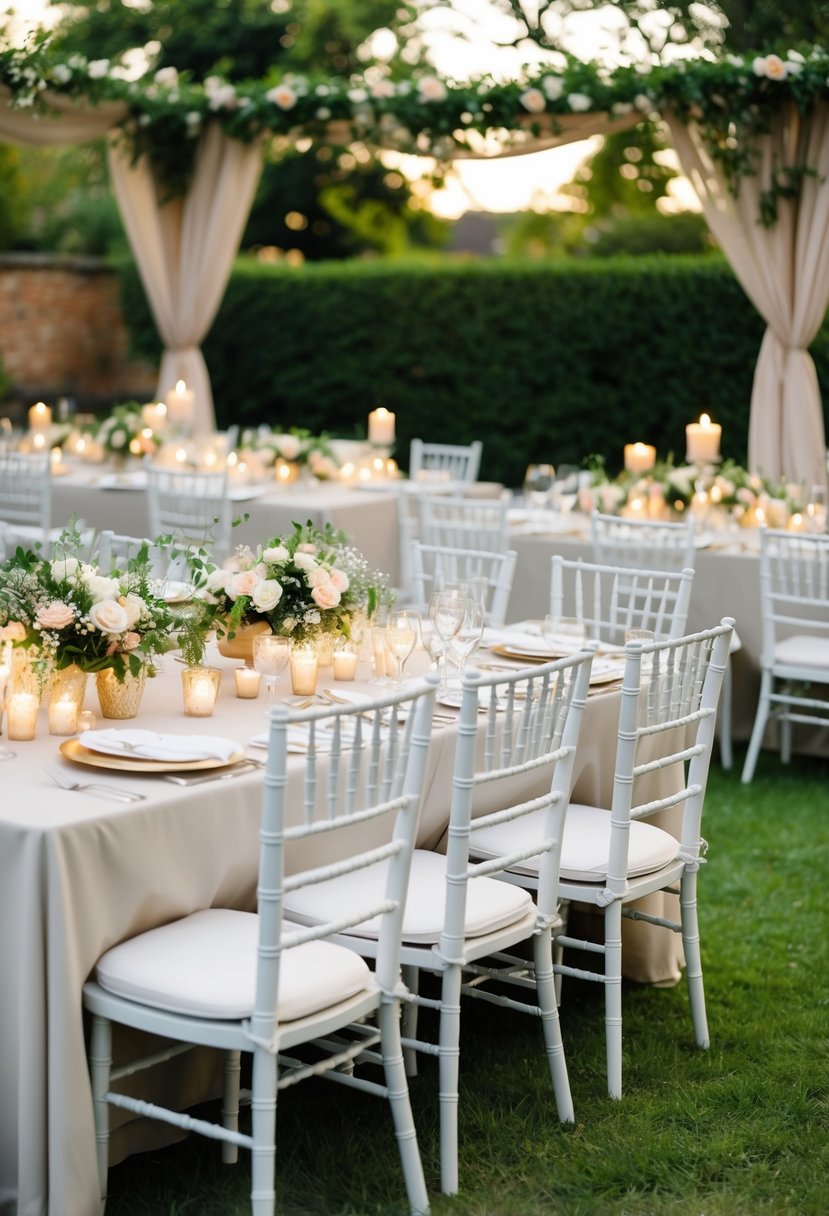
(469, 634)
(402, 633)
(270, 658)
(538, 484)
(446, 612)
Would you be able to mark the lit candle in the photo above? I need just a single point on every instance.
(345, 664)
(201, 686)
(21, 713)
(56, 460)
(391, 468)
(247, 682)
(87, 721)
(702, 440)
(40, 416)
(38, 441)
(639, 457)
(796, 523)
(304, 669)
(381, 427)
(154, 415)
(180, 402)
(63, 716)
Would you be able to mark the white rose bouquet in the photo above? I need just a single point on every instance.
(305, 585)
(65, 610)
(124, 433)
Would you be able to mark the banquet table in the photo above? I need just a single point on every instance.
(79, 873)
(104, 498)
(726, 583)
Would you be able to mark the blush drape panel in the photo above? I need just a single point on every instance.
(72, 124)
(184, 249)
(784, 270)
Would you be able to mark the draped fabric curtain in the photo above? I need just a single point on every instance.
(72, 125)
(784, 270)
(184, 249)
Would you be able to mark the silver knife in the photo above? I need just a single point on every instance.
(249, 766)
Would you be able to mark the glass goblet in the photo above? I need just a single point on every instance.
(446, 612)
(538, 484)
(270, 658)
(402, 633)
(469, 634)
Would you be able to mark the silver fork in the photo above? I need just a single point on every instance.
(93, 787)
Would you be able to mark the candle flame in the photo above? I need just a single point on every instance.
(704, 421)
(181, 387)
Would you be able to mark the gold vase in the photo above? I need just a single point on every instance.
(240, 646)
(120, 699)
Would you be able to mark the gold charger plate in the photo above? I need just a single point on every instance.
(73, 749)
(507, 652)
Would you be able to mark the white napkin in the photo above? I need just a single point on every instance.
(299, 736)
(149, 745)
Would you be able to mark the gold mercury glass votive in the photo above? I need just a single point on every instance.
(201, 687)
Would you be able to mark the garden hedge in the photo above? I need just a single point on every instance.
(542, 361)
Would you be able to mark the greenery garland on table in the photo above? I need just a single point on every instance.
(733, 101)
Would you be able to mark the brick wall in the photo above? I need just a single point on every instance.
(62, 334)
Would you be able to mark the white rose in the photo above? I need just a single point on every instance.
(288, 445)
(579, 102)
(134, 606)
(683, 479)
(275, 555)
(101, 588)
(109, 617)
(118, 438)
(553, 86)
(217, 580)
(65, 568)
(775, 68)
(305, 561)
(61, 73)
(266, 595)
(98, 69)
(533, 101)
(168, 77)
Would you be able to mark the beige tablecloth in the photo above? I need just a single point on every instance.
(79, 873)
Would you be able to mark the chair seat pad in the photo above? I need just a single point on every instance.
(490, 904)
(803, 650)
(204, 965)
(586, 844)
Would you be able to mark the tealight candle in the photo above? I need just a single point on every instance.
(304, 670)
(247, 682)
(345, 664)
(21, 715)
(201, 687)
(702, 440)
(63, 716)
(87, 721)
(38, 442)
(154, 415)
(639, 457)
(381, 427)
(40, 416)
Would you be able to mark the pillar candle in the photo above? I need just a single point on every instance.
(40, 416)
(180, 402)
(63, 717)
(247, 683)
(702, 440)
(639, 457)
(381, 427)
(345, 664)
(154, 415)
(21, 714)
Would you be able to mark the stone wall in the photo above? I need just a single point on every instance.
(62, 334)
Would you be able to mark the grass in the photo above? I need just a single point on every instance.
(739, 1130)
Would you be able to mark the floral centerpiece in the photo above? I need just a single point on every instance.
(308, 586)
(124, 432)
(297, 446)
(64, 611)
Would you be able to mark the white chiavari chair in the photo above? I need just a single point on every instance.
(451, 462)
(193, 506)
(464, 523)
(437, 566)
(613, 599)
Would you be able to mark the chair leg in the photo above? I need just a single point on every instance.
(613, 996)
(449, 1046)
(785, 737)
(693, 958)
(404, 1128)
(263, 1115)
(761, 718)
(100, 1063)
(724, 720)
(411, 978)
(551, 1025)
(230, 1104)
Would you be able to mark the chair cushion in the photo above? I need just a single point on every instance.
(490, 904)
(586, 844)
(204, 965)
(803, 650)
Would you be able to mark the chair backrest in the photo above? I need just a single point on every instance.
(444, 461)
(464, 523)
(437, 566)
(667, 717)
(26, 491)
(359, 806)
(612, 599)
(195, 507)
(794, 587)
(520, 728)
(116, 549)
(642, 542)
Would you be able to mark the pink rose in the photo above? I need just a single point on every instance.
(339, 579)
(242, 583)
(325, 595)
(15, 631)
(130, 640)
(56, 616)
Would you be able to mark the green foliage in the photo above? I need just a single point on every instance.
(686, 232)
(625, 177)
(545, 360)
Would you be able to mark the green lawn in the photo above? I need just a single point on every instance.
(740, 1130)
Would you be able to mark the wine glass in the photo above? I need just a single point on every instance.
(538, 484)
(446, 612)
(402, 633)
(270, 658)
(565, 491)
(470, 632)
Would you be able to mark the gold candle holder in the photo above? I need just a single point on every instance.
(201, 687)
(21, 715)
(304, 669)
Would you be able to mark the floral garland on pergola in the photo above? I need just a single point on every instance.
(732, 101)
